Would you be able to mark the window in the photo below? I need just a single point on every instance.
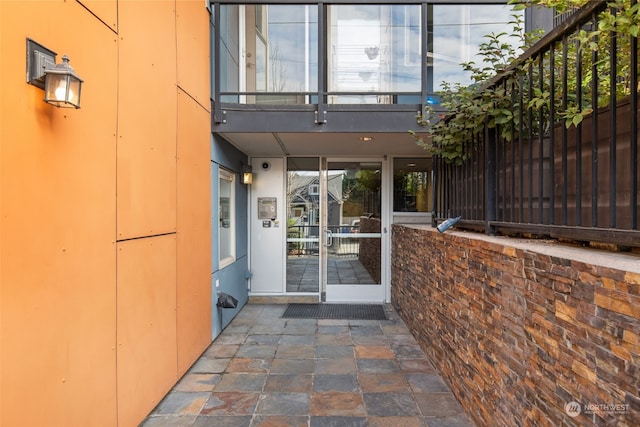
(412, 185)
(457, 32)
(227, 223)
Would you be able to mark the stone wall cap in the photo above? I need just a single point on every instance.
(617, 260)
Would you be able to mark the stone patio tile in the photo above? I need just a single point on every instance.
(408, 351)
(395, 329)
(395, 340)
(192, 382)
(373, 352)
(366, 330)
(333, 329)
(222, 421)
(383, 383)
(292, 383)
(209, 366)
(341, 383)
(182, 403)
(263, 339)
(333, 351)
(341, 365)
(297, 340)
(453, 421)
(300, 329)
(438, 404)
(391, 404)
(248, 364)
(237, 329)
(416, 365)
(241, 382)
(221, 351)
(338, 422)
(292, 366)
(328, 339)
(169, 421)
(257, 351)
(377, 366)
(370, 340)
(397, 422)
(266, 329)
(280, 421)
(295, 352)
(230, 403)
(426, 383)
(337, 404)
(283, 404)
(230, 339)
(333, 322)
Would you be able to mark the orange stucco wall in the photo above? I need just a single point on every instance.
(105, 251)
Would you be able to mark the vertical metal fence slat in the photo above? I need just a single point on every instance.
(490, 150)
(613, 128)
(541, 124)
(530, 121)
(594, 131)
(633, 155)
(565, 133)
(578, 138)
(520, 153)
(512, 200)
(552, 133)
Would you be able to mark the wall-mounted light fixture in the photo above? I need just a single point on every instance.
(247, 175)
(247, 178)
(62, 86)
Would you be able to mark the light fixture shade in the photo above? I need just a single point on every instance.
(247, 178)
(62, 86)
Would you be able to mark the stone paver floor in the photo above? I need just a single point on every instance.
(267, 371)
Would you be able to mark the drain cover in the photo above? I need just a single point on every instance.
(335, 311)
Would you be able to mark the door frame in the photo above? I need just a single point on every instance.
(355, 293)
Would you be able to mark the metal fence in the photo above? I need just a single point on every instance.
(547, 179)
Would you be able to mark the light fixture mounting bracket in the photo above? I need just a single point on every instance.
(38, 58)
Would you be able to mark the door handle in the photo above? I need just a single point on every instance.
(329, 238)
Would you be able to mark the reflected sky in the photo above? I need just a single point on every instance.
(370, 48)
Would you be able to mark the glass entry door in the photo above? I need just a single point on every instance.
(352, 231)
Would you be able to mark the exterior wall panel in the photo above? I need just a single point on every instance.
(98, 317)
(106, 11)
(147, 120)
(57, 252)
(194, 60)
(147, 347)
(194, 232)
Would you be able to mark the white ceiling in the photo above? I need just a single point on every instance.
(324, 144)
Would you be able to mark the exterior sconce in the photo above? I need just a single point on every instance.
(61, 85)
(247, 175)
(247, 178)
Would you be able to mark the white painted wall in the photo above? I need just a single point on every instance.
(267, 251)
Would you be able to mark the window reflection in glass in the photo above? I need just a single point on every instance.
(458, 30)
(412, 185)
(373, 49)
(226, 226)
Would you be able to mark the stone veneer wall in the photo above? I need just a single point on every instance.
(370, 249)
(520, 328)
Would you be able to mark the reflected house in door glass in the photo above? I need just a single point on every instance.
(304, 210)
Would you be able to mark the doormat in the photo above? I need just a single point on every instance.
(335, 311)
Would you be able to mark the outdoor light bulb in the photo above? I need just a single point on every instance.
(60, 92)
